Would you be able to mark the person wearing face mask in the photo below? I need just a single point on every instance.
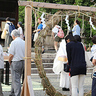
(76, 28)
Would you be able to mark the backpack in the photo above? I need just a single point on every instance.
(11, 28)
(60, 33)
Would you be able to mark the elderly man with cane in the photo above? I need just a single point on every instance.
(17, 52)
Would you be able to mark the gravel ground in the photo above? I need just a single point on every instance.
(55, 82)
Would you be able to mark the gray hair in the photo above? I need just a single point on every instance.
(15, 33)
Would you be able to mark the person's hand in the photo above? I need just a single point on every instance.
(94, 62)
(10, 63)
(53, 38)
(34, 31)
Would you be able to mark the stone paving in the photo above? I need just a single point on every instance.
(54, 79)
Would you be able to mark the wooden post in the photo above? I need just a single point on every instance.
(28, 30)
(28, 23)
(35, 20)
(82, 31)
(61, 21)
(75, 16)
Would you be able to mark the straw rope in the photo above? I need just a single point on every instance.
(68, 14)
(50, 90)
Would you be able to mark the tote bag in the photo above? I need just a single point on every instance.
(35, 36)
(3, 35)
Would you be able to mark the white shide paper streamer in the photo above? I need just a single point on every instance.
(67, 21)
(91, 23)
(43, 20)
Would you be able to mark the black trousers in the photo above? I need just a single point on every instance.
(94, 87)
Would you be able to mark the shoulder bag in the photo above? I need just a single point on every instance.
(66, 67)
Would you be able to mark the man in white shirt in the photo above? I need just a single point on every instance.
(1, 67)
(17, 52)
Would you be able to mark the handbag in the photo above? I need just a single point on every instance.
(3, 35)
(66, 67)
(35, 36)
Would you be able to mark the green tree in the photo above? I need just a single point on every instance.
(52, 11)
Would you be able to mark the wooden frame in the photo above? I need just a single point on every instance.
(28, 29)
(56, 6)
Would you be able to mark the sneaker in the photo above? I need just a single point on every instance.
(10, 95)
(65, 89)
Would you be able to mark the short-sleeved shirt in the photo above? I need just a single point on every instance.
(1, 58)
(17, 49)
(76, 30)
(55, 30)
(40, 26)
(94, 56)
(93, 50)
(21, 32)
(7, 26)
